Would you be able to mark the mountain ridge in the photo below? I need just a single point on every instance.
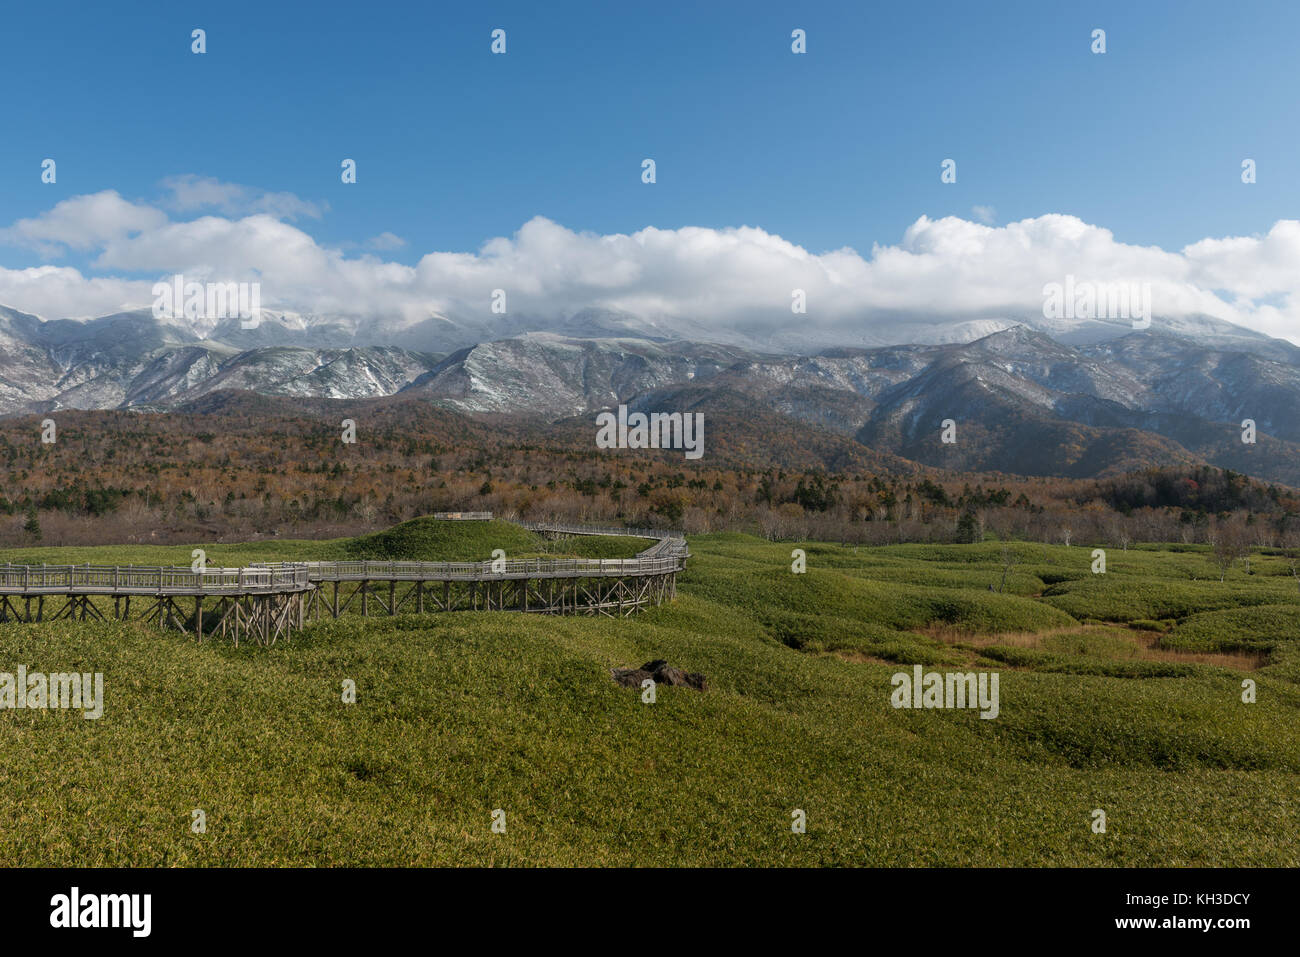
(1023, 401)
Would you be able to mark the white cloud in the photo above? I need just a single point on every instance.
(386, 241)
(985, 214)
(190, 193)
(61, 292)
(944, 269)
(82, 222)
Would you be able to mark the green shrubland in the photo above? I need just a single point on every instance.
(460, 714)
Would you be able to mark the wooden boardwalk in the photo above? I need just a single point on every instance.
(269, 601)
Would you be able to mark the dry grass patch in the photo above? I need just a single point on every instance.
(961, 637)
(1236, 660)
(1116, 641)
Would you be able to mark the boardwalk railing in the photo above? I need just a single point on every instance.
(150, 579)
(485, 571)
(668, 542)
(567, 529)
(665, 556)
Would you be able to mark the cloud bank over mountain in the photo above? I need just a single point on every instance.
(946, 270)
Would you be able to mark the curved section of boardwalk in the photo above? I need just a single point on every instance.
(267, 601)
(616, 587)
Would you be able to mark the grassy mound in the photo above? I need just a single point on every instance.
(1259, 628)
(1132, 597)
(435, 540)
(890, 603)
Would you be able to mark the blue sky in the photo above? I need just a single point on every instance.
(838, 147)
(523, 171)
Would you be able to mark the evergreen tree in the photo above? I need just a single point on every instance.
(33, 526)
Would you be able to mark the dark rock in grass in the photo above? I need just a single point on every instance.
(663, 674)
(629, 677)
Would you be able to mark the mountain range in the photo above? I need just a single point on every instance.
(1025, 398)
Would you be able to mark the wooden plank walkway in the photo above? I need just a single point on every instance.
(149, 580)
(266, 601)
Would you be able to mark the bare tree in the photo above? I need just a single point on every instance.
(1231, 543)
(1008, 563)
